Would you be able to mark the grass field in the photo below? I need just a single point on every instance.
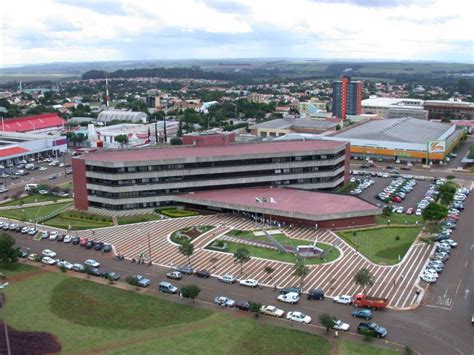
(397, 218)
(30, 213)
(351, 348)
(31, 199)
(90, 318)
(381, 245)
(138, 218)
(79, 220)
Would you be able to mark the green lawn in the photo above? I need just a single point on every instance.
(138, 218)
(396, 218)
(344, 189)
(18, 268)
(31, 199)
(30, 213)
(79, 220)
(175, 213)
(380, 244)
(346, 347)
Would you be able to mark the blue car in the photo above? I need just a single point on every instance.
(362, 313)
(142, 281)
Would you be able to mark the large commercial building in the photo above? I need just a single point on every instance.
(452, 109)
(385, 107)
(147, 178)
(281, 126)
(33, 124)
(119, 115)
(346, 97)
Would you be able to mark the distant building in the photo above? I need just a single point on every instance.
(282, 126)
(385, 107)
(346, 97)
(452, 109)
(153, 102)
(312, 109)
(209, 138)
(36, 124)
(396, 112)
(118, 115)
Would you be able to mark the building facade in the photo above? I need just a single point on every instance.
(455, 110)
(346, 97)
(150, 178)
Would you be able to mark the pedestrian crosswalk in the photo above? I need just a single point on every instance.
(398, 282)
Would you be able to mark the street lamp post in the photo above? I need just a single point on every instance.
(149, 248)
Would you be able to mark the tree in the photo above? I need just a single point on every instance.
(255, 308)
(176, 141)
(327, 321)
(435, 212)
(8, 252)
(122, 139)
(87, 270)
(190, 291)
(300, 270)
(446, 193)
(187, 249)
(241, 256)
(364, 278)
(268, 270)
(133, 281)
(387, 211)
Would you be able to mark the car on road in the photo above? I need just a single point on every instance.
(107, 248)
(224, 301)
(52, 177)
(343, 299)
(188, 270)
(66, 264)
(175, 275)
(92, 262)
(229, 279)
(203, 273)
(315, 294)
(243, 306)
(372, 329)
(48, 261)
(298, 317)
(272, 311)
(249, 283)
(78, 267)
(111, 275)
(362, 313)
(49, 253)
(167, 287)
(291, 297)
(142, 281)
(68, 238)
(340, 325)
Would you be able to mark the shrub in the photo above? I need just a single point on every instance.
(397, 237)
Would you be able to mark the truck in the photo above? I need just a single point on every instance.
(362, 300)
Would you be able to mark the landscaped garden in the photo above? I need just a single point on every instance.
(384, 245)
(77, 220)
(270, 252)
(32, 213)
(187, 234)
(398, 218)
(176, 213)
(32, 199)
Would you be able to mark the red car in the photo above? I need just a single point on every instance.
(409, 211)
(83, 241)
(396, 199)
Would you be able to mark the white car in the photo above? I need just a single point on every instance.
(343, 299)
(230, 279)
(32, 231)
(272, 311)
(65, 264)
(53, 235)
(400, 209)
(224, 301)
(249, 283)
(430, 272)
(451, 243)
(48, 261)
(428, 278)
(48, 253)
(68, 238)
(418, 212)
(43, 168)
(340, 325)
(298, 317)
(92, 262)
(290, 297)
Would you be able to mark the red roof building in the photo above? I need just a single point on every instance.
(12, 151)
(37, 123)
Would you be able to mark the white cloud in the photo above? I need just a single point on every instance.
(33, 31)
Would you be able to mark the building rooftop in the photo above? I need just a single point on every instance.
(392, 102)
(32, 123)
(286, 200)
(287, 123)
(407, 129)
(184, 152)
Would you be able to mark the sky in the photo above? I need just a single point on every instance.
(43, 31)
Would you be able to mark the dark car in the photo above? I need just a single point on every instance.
(90, 244)
(372, 329)
(107, 248)
(405, 168)
(203, 273)
(362, 313)
(188, 270)
(18, 229)
(60, 238)
(243, 306)
(111, 275)
(316, 294)
(95, 272)
(286, 290)
(364, 166)
(98, 246)
(76, 240)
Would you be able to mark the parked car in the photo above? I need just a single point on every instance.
(90, 244)
(92, 262)
(290, 289)
(175, 275)
(203, 273)
(340, 325)
(167, 287)
(68, 238)
(76, 240)
(95, 272)
(107, 248)
(229, 279)
(142, 281)
(243, 306)
(78, 267)
(53, 235)
(316, 294)
(362, 313)
(290, 297)
(48, 261)
(298, 317)
(60, 238)
(25, 230)
(32, 257)
(49, 253)
(98, 246)
(111, 275)
(188, 270)
(272, 311)
(372, 329)
(343, 299)
(65, 264)
(44, 234)
(83, 241)
(224, 301)
(249, 283)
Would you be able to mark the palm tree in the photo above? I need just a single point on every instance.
(364, 278)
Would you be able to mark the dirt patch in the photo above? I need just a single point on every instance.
(24, 275)
(28, 343)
